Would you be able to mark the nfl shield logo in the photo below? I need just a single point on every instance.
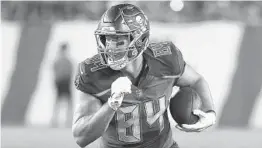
(138, 93)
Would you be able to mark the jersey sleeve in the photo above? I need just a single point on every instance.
(82, 80)
(178, 60)
(166, 60)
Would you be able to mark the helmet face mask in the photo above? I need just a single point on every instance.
(122, 35)
(114, 50)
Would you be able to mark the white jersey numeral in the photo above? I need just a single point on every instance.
(128, 124)
(155, 111)
(128, 119)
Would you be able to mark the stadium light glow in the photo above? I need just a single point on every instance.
(176, 5)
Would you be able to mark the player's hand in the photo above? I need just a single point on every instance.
(205, 120)
(119, 88)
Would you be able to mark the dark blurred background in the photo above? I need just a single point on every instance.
(244, 11)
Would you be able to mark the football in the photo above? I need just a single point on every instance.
(182, 106)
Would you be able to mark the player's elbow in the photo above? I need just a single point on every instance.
(81, 142)
(81, 138)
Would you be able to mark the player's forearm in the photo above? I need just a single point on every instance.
(202, 88)
(87, 130)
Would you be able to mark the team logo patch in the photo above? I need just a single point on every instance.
(138, 92)
(160, 49)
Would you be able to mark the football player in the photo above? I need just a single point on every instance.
(126, 87)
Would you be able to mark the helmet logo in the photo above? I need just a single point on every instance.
(139, 19)
(141, 22)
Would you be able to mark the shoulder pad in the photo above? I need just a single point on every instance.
(165, 59)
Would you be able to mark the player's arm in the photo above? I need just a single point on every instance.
(193, 79)
(189, 77)
(206, 113)
(91, 119)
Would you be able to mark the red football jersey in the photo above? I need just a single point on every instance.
(142, 119)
